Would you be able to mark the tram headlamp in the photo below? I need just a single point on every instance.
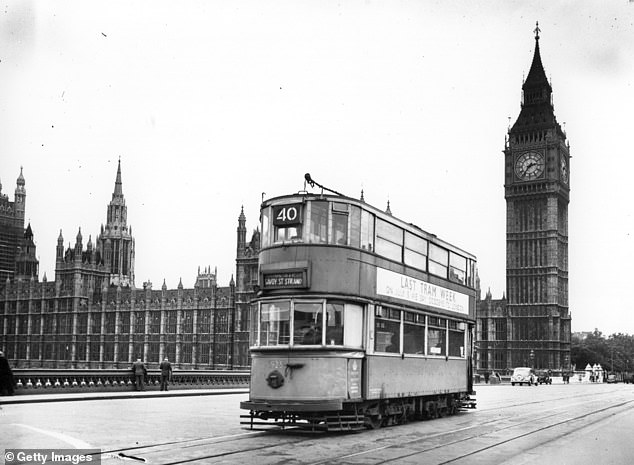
(275, 379)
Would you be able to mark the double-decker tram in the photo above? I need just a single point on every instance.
(361, 319)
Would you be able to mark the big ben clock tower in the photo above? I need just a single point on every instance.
(537, 193)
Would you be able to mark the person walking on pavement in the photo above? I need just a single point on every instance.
(6, 377)
(138, 368)
(166, 373)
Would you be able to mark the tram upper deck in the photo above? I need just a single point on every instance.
(327, 244)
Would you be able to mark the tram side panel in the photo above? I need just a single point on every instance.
(389, 377)
(304, 378)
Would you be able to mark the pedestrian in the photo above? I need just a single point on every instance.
(486, 377)
(138, 368)
(166, 373)
(6, 377)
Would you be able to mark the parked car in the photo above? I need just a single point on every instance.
(611, 378)
(543, 377)
(523, 375)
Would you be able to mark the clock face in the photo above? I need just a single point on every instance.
(529, 166)
(563, 166)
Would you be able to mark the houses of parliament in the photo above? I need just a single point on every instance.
(93, 316)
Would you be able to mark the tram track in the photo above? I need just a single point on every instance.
(145, 453)
(529, 433)
(243, 447)
(541, 401)
(400, 444)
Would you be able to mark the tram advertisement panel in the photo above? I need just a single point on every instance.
(391, 284)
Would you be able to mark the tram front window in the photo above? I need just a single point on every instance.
(275, 323)
(307, 323)
(288, 233)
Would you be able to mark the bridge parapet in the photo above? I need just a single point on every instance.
(42, 381)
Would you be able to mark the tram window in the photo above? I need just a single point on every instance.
(470, 277)
(415, 243)
(389, 240)
(355, 226)
(287, 233)
(307, 329)
(457, 268)
(438, 260)
(456, 339)
(318, 229)
(415, 253)
(339, 231)
(334, 323)
(387, 331)
(275, 323)
(253, 328)
(436, 336)
(353, 325)
(367, 230)
(413, 333)
(265, 227)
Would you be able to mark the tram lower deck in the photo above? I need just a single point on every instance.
(348, 390)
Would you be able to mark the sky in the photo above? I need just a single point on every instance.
(212, 105)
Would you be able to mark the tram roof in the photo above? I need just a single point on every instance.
(303, 196)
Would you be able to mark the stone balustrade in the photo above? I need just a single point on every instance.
(42, 381)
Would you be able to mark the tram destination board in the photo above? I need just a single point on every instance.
(285, 280)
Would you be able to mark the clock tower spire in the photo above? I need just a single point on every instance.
(537, 194)
(536, 326)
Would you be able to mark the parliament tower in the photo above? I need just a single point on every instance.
(531, 326)
(115, 242)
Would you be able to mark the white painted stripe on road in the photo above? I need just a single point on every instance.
(76, 443)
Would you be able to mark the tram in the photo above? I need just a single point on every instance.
(361, 319)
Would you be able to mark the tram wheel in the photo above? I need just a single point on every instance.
(373, 421)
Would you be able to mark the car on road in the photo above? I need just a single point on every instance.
(543, 377)
(523, 375)
(611, 378)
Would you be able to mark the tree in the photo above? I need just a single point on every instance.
(614, 353)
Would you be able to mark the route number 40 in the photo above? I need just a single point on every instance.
(288, 214)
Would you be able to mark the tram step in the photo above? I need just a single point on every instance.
(332, 423)
(345, 423)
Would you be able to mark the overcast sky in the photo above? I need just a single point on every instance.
(211, 104)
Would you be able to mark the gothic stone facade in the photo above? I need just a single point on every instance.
(17, 249)
(531, 325)
(93, 316)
